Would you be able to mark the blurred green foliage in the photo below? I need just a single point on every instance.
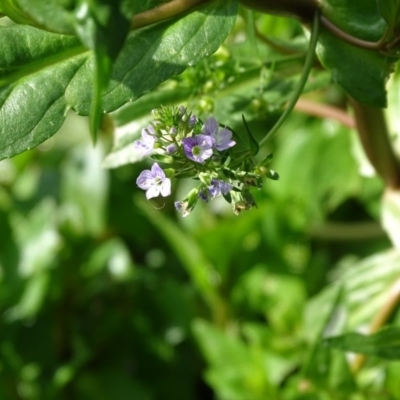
(104, 295)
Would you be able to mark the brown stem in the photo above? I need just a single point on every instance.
(349, 38)
(374, 136)
(379, 321)
(325, 111)
(163, 11)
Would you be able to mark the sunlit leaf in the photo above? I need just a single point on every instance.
(42, 75)
(361, 72)
(384, 344)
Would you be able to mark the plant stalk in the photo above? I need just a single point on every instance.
(163, 11)
(303, 79)
(374, 136)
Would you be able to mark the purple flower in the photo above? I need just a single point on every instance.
(221, 139)
(204, 195)
(192, 121)
(172, 148)
(145, 145)
(154, 182)
(198, 148)
(219, 187)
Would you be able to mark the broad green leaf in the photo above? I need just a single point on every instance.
(235, 371)
(14, 12)
(42, 75)
(361, 72)
(358, 18)
(51, 15)
(384, 344)
(390, 12)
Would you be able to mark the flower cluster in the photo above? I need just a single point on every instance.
(203, 151)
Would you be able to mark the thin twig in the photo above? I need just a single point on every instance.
(349, 38)
(163, 11)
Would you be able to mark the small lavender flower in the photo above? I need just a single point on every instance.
(145, 145)
(192, 121)
(154, 182)
(171, 148)
(219, 187)
(182, 110)
(198, 148)
(204, 195)
(221, 138)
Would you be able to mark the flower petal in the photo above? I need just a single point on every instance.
(157, 172)
(166, 187)
(153, 191)
(145, 179)
(210, 127)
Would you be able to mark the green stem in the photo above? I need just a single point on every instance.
(303, 79)
(374, 136)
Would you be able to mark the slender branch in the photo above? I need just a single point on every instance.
(163, 11)
(374, 136)
(349, 38)
(274, 45)
(379, 321)
(325, 111)
(303, 79)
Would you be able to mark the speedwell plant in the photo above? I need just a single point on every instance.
(204, 152)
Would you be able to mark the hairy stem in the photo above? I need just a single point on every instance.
(163, 11)
(380, 320)
(374, 136)
(303, 79)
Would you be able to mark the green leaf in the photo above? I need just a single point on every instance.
(358, 18)
(254, 147)
(14, 12)
(363, 73)
(102, 28)
(42, 75)
(384, 344)
(51, 15)
(390, 12)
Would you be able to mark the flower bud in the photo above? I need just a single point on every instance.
(171, 148)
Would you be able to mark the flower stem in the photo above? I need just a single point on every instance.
(303, 79)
